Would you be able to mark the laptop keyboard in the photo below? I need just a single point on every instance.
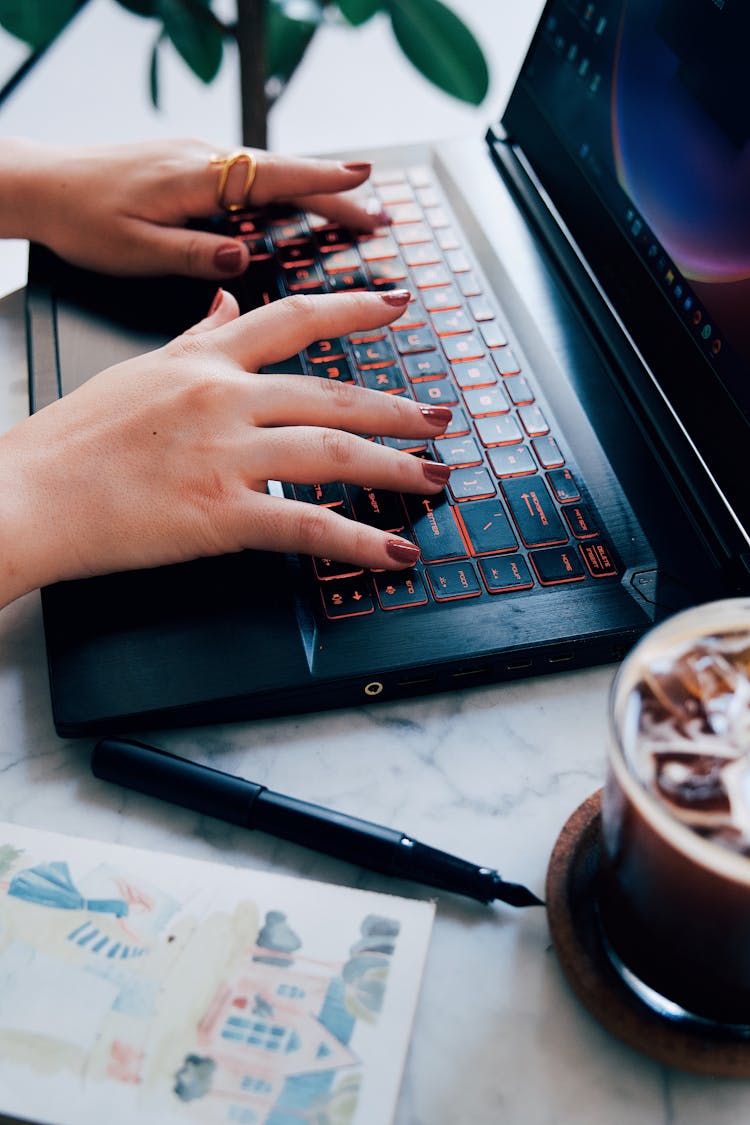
(515, 515)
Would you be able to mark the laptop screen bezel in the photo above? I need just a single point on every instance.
(687, 379)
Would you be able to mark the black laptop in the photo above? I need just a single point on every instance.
(581, 283)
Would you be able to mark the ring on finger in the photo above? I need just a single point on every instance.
(225, 164)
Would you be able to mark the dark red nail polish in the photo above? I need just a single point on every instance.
(230, 259)
(216, 302)
(437, 415)
(358, 166)
(396, 297)
(402, 552)
(436, 472)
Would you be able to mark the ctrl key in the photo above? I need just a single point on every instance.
(348, 597)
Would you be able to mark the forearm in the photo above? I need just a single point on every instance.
(24, 167)
(26, 540)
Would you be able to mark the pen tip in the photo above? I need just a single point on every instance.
(515, 894)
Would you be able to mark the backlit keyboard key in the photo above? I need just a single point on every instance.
(556, 566)
(435, 392)
(581, 521)
(430, 277)
(428, 365)
(341, 261)
(379, 353)
(500, 429)
(435, 528)
(492, 334)
(460, 348)
(481, 401)
(505, 361)
(451, 322)
(532, 420)
(400, 589)
(415, 340)
(346, 597)
(377, 249)
(511, 461)
(503, 574)
(381, 509)
(599, 560)
(533, 512)
(449, 581)
(442, 297)
(458, 451)
(564, 485)
(488, 529)
(388, 379)
(548, 452)
(422, 254)
(471, 484)
(475, 373)
(519, 391)
(410, 233)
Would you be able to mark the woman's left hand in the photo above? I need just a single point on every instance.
(123, 209)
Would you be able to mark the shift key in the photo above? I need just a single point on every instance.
(533, 511)
(435, 528)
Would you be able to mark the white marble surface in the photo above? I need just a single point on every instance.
(490, 774)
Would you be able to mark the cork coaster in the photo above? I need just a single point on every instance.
(570, 896)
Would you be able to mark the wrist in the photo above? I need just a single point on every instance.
(24, 174)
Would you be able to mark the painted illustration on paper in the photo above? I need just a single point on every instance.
(138, 982)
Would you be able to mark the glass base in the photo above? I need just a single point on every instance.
(664, 1007)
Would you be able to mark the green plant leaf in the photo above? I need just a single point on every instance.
(37, 22)
(140, 7)
(289, 28)
(441, 47)
(190, 26)
(153, 74)
(358, 11)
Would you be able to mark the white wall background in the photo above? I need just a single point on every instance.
(354, 89)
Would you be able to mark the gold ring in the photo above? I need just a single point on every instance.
(226, 164)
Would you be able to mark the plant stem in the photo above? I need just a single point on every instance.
(251, 43)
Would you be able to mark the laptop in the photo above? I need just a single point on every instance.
(580, 279)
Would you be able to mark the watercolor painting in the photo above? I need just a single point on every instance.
(150, 986)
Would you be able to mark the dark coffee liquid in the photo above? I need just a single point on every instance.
(681, 928)
(679, 921)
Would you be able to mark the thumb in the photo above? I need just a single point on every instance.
(223, 308)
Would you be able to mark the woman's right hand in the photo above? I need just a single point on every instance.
(166, 457)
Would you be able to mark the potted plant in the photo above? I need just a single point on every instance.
(271, 37)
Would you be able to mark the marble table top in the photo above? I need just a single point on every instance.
(490, 774)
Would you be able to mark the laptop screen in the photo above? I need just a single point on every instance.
(648, 101)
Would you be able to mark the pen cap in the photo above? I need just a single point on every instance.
(177, 780)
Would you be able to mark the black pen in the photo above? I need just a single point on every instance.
(214, 793)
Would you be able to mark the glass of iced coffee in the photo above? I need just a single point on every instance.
(674, 896)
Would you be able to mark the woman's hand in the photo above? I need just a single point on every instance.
(122, 209)
(166, 457)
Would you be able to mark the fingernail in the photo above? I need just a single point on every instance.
(361, 166)
(436, 472)
(230, 259)
(396, 297)
(218, 298)
(403, 552)
(437, 415)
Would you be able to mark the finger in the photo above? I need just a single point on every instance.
(359, 214)
(279, 177)
(156, 250)
(312, 455)
(289, 525)
(223, 308)
(274, 332)
(298, 400)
